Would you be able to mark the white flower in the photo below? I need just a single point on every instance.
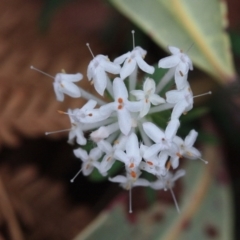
(81, 113)
(163, 140)
(131, 60)
(132, 157)
(89, 160)
(122, 106)
(64, 83)
(76, 130)
(109, 159)
(186, 147)
(167, 182)
(147, 96)
(130, 181)
(183, 100)
(182, 63)
(154, 165)
(97, 72)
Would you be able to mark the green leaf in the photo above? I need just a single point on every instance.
(184, 23)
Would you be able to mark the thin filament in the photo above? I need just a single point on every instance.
(206, 162)
(58, 131)
(90, 50)
(32, 67)
(130, 200)
(200, 95)
(190, 47)
(175, 200)
(73, 179)
(133, 33)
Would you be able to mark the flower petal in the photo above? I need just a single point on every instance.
(156, 99)
(70, 89)
(132, 146)
(151, 151)
(133, 106)
(139, 94)
(171, 129)
(191, 138)
(119, 89)
(178, 174)
(100, 81)
(124, 121)
(128, 68)
(153, 132)
(110, 67)
(169, 62)
(143, 65)
(192, 153)
(141, 182)
(68, 77)
(179, 109)
(122, 58)
(89, 105)
(95, 154)
(174, 96)
(121, 156)
(149, 86)
(59, 94)
(181, 80)
(174, 50)
(105, 146)
(118, 179)
(80, 153)
(145, 108)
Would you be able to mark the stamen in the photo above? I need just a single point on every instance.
(200, 95)
(175, 200)
(190, 47)
(73, 179)
(58, 131)
(133, 33)
(168, 164)
(130, 200)
(90, 50)
(66, 113)
(206, 162)
(38, 70)
(192, 155)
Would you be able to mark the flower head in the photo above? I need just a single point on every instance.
(64, 83)
(97, 72)
(181, 62)
(131, 61)
(147, 96)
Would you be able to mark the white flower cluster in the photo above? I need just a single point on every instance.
(122, 129)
